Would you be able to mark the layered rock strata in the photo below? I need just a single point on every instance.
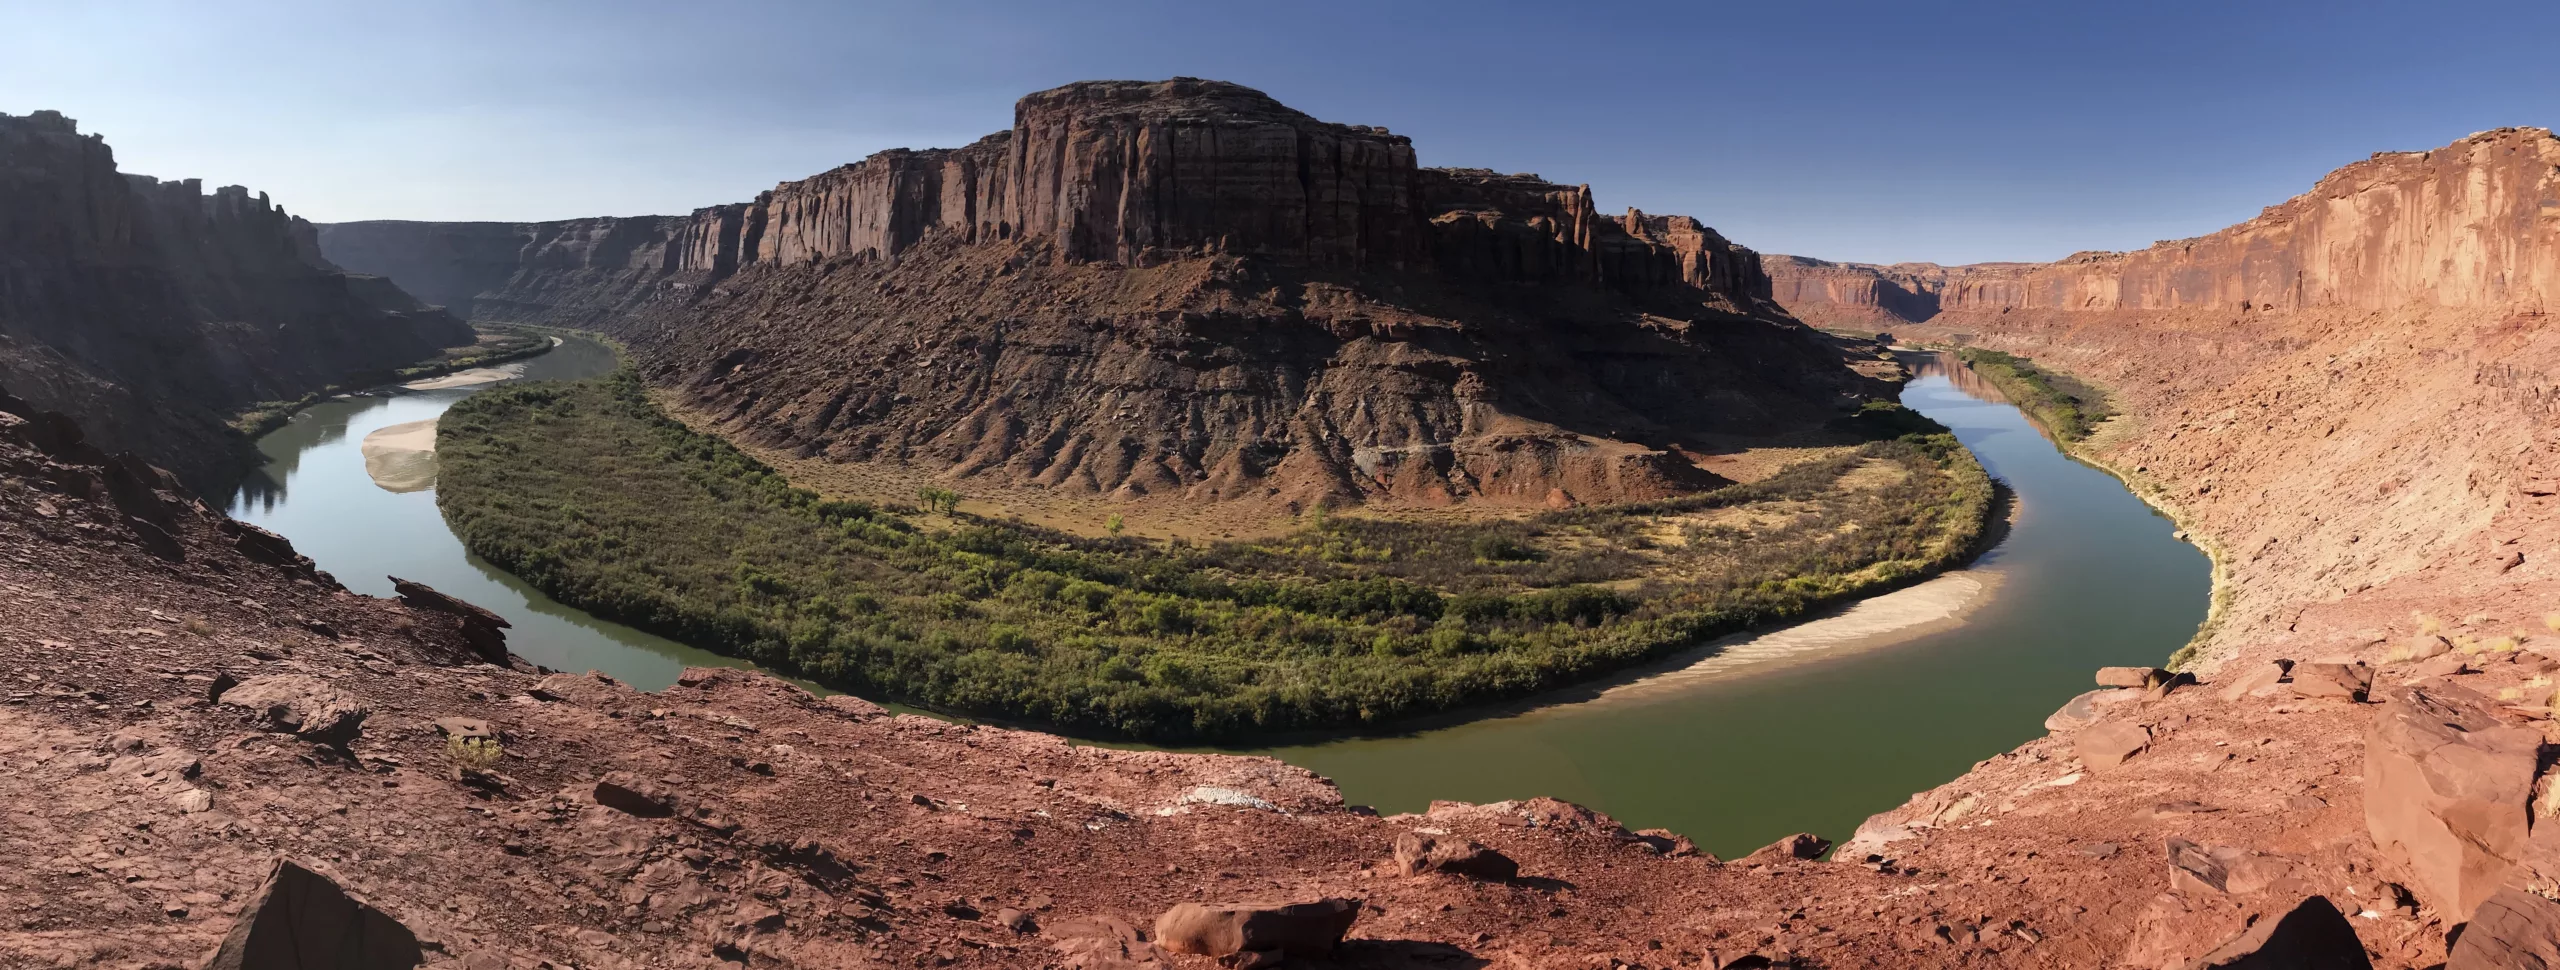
(152, 310)
(2473, 224)
(2349, 399)
(1179, 288)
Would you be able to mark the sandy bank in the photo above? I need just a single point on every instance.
(469, 378)
(402, 457)
(1896, 617)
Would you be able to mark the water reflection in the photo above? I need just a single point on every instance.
(1826, 731)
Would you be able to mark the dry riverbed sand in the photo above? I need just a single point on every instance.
(402, 457)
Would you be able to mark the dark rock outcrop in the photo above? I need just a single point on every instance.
(2511, 930)
(484, 630)
(302, 921)
(151, 311)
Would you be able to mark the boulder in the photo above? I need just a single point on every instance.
(2430, 647)
(482, 629)
(2261, 675)
(1799, 847)
(2447, 665)
(301, 921)
(2136, 677)
(2350, 681)
(1417, 854)
(2511, 929)
(2197, 868)
(1217, 930)
(302, 704)
(2447, 786)
(1668, 842)
(2086, 709)
(2110, 744)
(2312, 935)
(625, 792)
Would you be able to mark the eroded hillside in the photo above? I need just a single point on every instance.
(153, 311)
(1182, 290)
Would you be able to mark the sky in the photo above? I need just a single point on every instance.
(1950, 132)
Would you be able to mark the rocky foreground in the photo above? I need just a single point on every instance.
(215, 749)
(211, 746)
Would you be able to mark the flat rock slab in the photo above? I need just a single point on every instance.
(2108, 745)
(2446, 790)
(2332, 680)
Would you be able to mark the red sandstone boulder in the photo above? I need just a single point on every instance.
(2512, 929)
(302, 704)
(2350, 681)
(1297, 929)
(2253, 678)
(1800, 847)
(2129, 676)
(1416, 854)
(302, 921)
(2110, 744)
(2446, 792)
(625, 792)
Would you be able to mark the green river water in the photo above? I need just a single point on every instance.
(1809, 729)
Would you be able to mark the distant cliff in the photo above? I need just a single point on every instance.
(1178, 287)
(2473, 224)
(150, 310)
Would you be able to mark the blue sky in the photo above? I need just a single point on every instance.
(1873, 132)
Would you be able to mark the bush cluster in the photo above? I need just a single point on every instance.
(590, 493)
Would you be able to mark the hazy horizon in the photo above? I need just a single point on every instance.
(1983, 133)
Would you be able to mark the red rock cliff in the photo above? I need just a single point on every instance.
(151, 310)
(2473, 224)
(1121, 172)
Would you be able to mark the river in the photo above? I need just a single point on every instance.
(1810, 729)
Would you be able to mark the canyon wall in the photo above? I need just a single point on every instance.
(2473, 224)
(1120, 172)
(1177, 289)
(151, 310)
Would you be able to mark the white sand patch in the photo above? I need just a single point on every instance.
(1896, 617)
(469, 378)
(402, 457)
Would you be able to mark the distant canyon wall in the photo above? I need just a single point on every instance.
(2473, 224)
(1127, 173)
(150, 310)
(1178, 289)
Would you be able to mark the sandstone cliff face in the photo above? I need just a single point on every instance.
(151, 310)
(2473, 224)
(1178, 288)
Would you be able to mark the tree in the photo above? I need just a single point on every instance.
(1112, 525)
